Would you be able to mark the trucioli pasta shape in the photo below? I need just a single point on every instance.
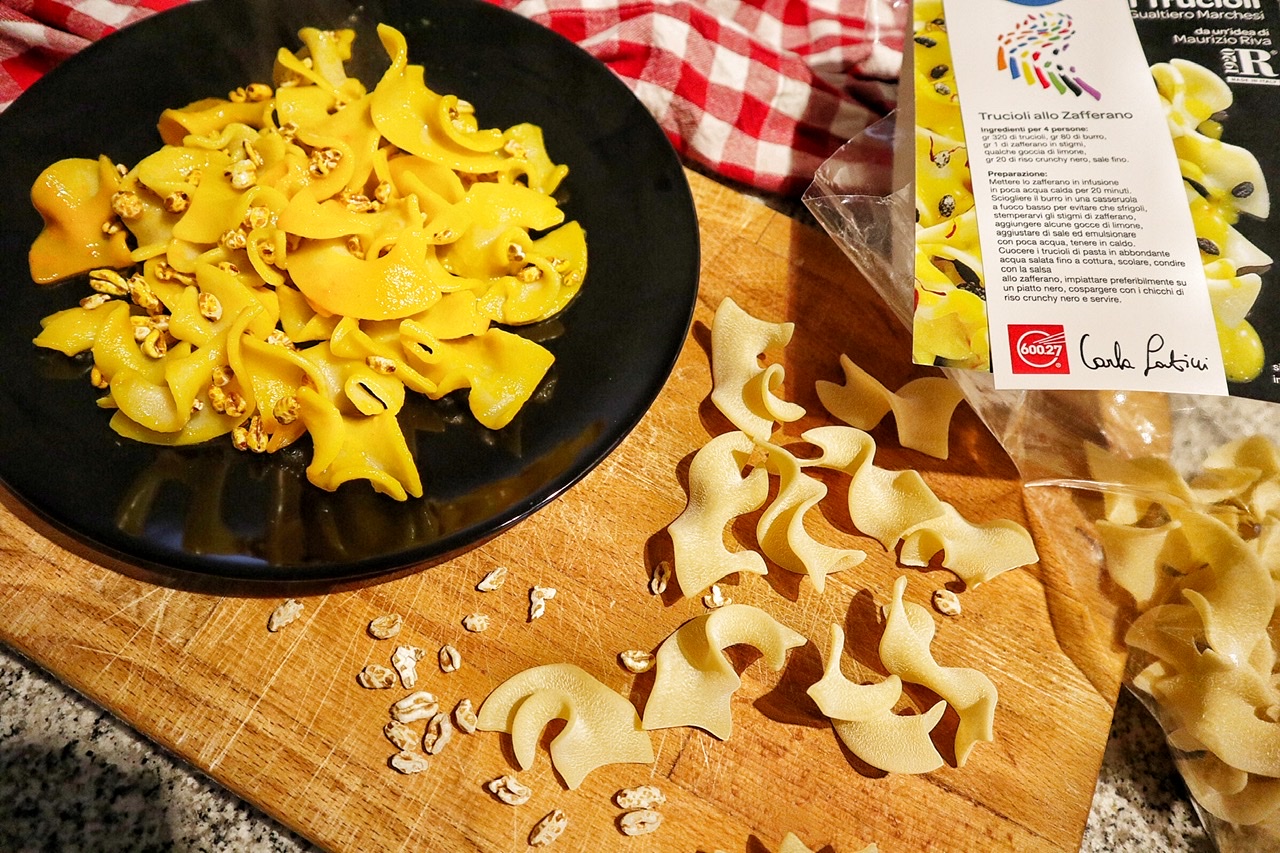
(293, 258)
(863, 718)
(695, 681)
(601, 727)
(905, 652)
(741, 389)
(781, 530)
(922, 408)
(898, 506)
(718, 493)
(1199, 559)
(890, 506)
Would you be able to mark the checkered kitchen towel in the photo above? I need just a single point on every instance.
(757, 91)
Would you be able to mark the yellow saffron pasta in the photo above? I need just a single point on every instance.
(950, 316)
(1222, 182)
(295, 257)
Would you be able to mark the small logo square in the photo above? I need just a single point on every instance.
(1038, 349)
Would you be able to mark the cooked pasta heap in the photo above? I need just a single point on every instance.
(293, 258)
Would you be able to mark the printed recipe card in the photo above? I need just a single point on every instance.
(1066, 257)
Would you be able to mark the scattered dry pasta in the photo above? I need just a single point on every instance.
(893, 506)
(889, 506)
(781, 531)
(295, 260)
(742, 390)
(905, 652)
(718, 493)
(863, 718)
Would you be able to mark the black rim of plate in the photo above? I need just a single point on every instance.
(209, 514)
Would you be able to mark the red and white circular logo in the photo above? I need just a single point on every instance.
(1038, 349)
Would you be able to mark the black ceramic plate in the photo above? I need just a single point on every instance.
(212, 513)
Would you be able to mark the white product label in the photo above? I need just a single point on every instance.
(1094, 278)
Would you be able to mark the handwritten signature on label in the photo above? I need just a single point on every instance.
(1158, 356)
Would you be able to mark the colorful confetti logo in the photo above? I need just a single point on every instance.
(1034, 53)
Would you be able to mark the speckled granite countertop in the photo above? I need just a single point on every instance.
(73, 778)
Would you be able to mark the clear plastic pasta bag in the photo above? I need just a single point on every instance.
(1157, 518)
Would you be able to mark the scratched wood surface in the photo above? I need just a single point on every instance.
(280, 720)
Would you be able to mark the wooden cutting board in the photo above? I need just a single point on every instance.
(280, 719)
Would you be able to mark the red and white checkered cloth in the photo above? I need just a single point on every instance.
(758, 91)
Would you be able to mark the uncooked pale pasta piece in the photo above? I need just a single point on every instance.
(905, 652)
(1133, 486)
(695, 681)
(1254, 802)
(1222, 705)
(741, 389)
(600, 726)
(1218, 485)
(841, 699)
(1204, 638)
(922, 408)
(1253, 451)
(975, 552)
(781, 531)
(718, 493)
(1135, 557)
(895, 743)
(863, 718)
(1167, 632)
(883, 504)
(1237, 603)
(792, 844)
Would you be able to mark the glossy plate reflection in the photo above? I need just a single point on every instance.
(211, 513)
